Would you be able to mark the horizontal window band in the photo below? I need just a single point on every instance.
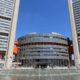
(43, 43)
(6, 18)
(4, 34)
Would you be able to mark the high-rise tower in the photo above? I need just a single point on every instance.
(74, 10)
(8, 21)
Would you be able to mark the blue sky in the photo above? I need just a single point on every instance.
(43, 16)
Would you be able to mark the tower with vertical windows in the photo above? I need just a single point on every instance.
(8, 21)
(74, 10)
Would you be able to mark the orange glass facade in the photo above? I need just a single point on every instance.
(16, 48)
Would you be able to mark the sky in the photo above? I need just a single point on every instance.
(43, 16)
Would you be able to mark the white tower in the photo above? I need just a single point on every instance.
(8, 21)
(74, 10)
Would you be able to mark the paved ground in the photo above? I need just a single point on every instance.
(40, 74)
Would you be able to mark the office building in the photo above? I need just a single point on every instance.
(43, 50)
(74, 10)
(8, 22)
(16, 51)
(71, 52)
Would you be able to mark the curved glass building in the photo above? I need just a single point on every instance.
(44, 50)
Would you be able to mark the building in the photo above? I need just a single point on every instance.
(74, 10)
(44, 50)
(16, 51)
(16, 48)
(8, 21)
(71, 52)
